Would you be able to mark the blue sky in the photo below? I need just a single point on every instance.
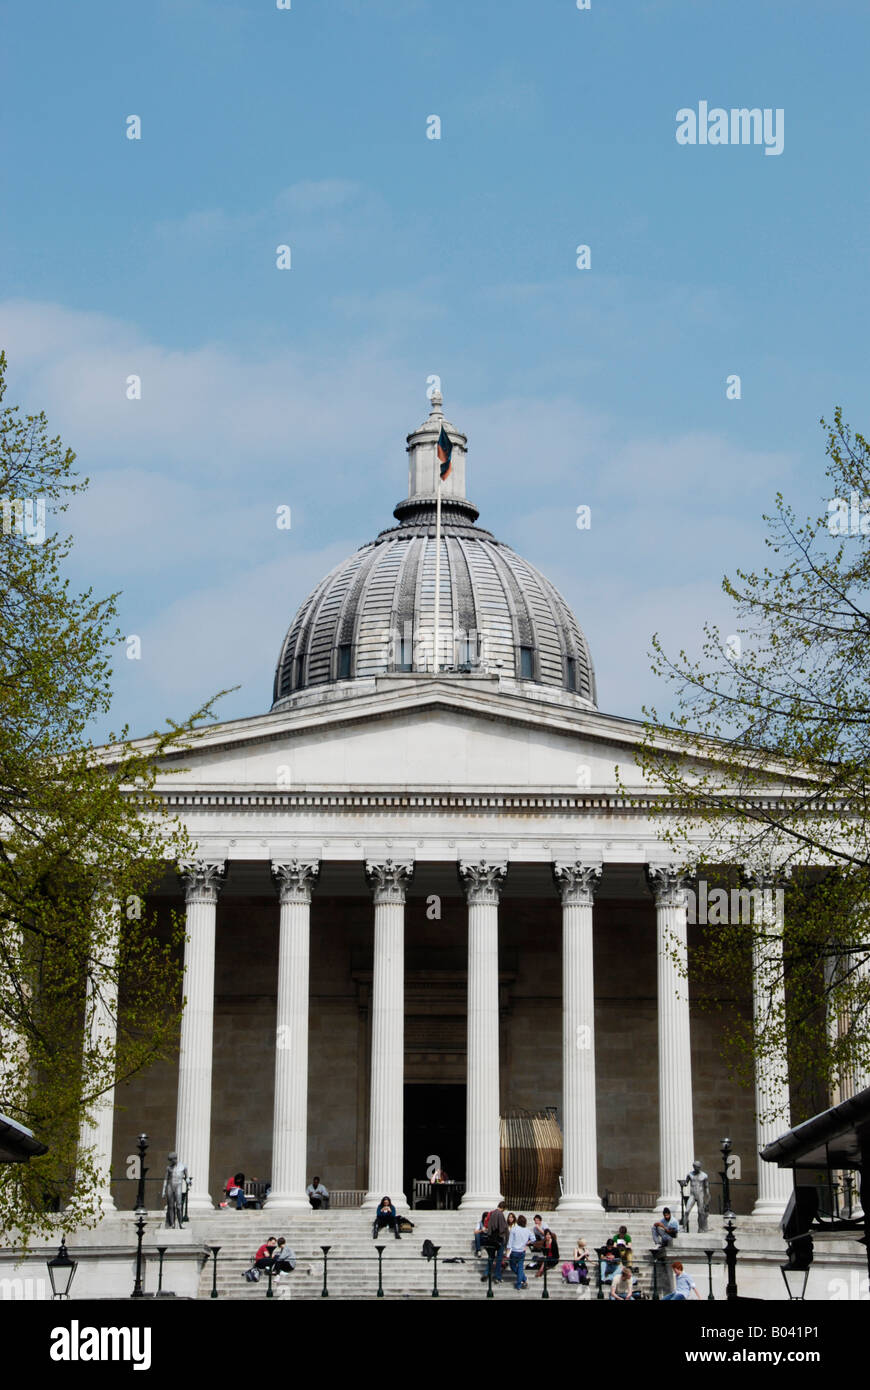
(413, 256)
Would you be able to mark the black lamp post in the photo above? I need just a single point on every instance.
(324, 1292)
(141, 1145)
(61, 1271)
(710, 1254)
(683, 1183)
(380, 1249)
(161, 1251)
(600, 1293)
(546, 1293)
(214, 1254)
(655, 1292)
(727, 1213)
(436, 1248)
(269, 1268)
(731, 1260)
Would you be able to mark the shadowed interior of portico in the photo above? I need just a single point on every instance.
(435, 1006)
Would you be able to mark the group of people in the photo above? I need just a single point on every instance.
(317, 1194)
(275, 1254)
(507, 1239)
(616, 1267)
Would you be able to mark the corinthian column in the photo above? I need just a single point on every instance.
(296, 882)
(772, 1099)
(101, 1031)
(389, 883)
(576, 884)
(202, 883)
(676, 1141)
(483, 883)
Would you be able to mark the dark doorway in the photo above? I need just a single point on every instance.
(434, 1124)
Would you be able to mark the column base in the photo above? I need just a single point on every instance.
(770, 1208)
(199, 1201)
(580, 1201)
(675, 1203)
(480, 1201)
(287, 1201)
(372, 1200)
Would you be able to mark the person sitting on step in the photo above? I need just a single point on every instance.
(386, 1216)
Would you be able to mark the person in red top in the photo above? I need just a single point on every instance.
(266, 1254)
(236, 1188)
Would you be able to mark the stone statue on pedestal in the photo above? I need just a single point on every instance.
(173, 1189)
(699, 1195)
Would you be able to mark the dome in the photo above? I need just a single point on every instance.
(375, 613)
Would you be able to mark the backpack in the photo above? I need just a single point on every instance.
(252, 1274)
(428, 1250)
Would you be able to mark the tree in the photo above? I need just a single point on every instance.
(768, 753)
(82, 837)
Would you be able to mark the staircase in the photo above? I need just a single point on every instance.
(353, 1266)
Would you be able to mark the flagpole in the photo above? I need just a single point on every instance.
(437, 560)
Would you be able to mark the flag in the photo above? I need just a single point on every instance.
(445, 451)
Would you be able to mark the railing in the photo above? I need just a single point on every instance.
(629, 1201)
(327, 1259)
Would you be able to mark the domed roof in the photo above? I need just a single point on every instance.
(375, 613)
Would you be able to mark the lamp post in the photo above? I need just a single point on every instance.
(731, 1260)
(683, 1183)
(61, 1271)
(214, 1254)
(655, 1292)
(141, 1145)
(436, 1248)
(727, 1213)
(324, 1292)
(600, 1293)
(710, 1254)
(161, 1251)
(380, 1249)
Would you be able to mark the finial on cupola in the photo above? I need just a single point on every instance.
(436, 400)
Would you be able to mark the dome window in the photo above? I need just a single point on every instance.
(527, 663)
(571, 680)
(344, 661)
(405, 650)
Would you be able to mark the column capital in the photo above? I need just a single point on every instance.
(482, 880)
(389, 879)
(669, 883)
(765, 874)
(296, 879)
(203, 879)
(576, 882)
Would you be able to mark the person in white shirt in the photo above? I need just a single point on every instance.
(518, 1242)
(622, 1284)
(317, 1194)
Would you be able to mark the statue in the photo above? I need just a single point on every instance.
(173, 1189)
(699, 1195)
